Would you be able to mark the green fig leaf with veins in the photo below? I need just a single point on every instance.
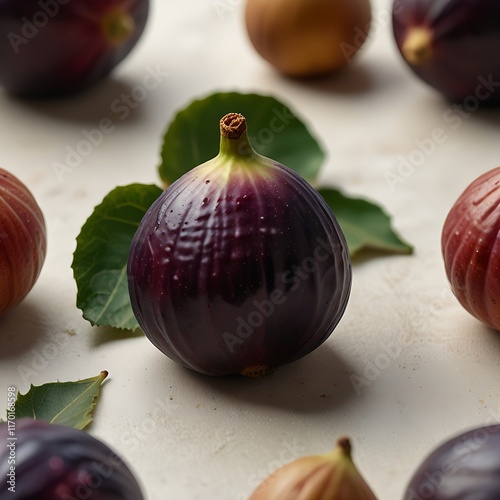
(365, 225)
(100, 259)
(64, 403)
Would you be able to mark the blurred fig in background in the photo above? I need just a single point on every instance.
(23, 241)
(465, 467)
(331, 476)
(453, 46)
(58, 47)
(54, 462)
(304, 38)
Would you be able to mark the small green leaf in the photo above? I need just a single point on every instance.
(365, 225)
(100, 259)
(274, 130)
(64, 403)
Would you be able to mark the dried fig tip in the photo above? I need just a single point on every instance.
(256, 371)
(233, 125)
(417, 47)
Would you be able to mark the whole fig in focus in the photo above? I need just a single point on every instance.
(471, 248)
(54, 462)
(332, 476)
(453, 46)
(240, 265)
(466, 467)
(56, 47)
(304, 38)
(23, 241)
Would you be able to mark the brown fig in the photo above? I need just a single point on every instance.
(305, 38)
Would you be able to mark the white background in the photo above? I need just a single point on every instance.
(430, 369)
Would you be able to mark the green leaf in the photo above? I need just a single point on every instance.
(100, 259)
(64, 403)
(365, 225)
(274, 130)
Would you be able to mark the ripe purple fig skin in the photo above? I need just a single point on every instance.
(471, 248)
(240, 266)
(452, 45)
(466, 467)
(58, 47)
(58, 462)
(23, 241)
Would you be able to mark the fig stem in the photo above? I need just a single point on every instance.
(118, 26)
(344, 444)
(232, 125)
(233, 137)
(417, 47)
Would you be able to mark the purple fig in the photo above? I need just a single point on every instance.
(42, 461)
(465, 467)
(57, 47)
(453, 46)
(240, 266)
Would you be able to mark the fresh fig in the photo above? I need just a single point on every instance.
(465, 467)
(332, 476)
(23, 241)
(471, 248)
(240, 266)
(452, 46)
(302, 38)
(42, 461)
(58, 47)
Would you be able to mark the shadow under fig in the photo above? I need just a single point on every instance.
(108, 99)
(315, 383)
(354, 79)
(20, 329)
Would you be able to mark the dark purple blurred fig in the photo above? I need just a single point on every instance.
(42, 461)
(240, 266)
(466, 467)
(452, 45)
(58, 47)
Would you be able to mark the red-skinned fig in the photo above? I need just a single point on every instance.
(471, 248)
(452, 45)
(240, 266)
(23, 241)
(52, 48)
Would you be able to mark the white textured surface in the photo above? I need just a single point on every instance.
(191, 437)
